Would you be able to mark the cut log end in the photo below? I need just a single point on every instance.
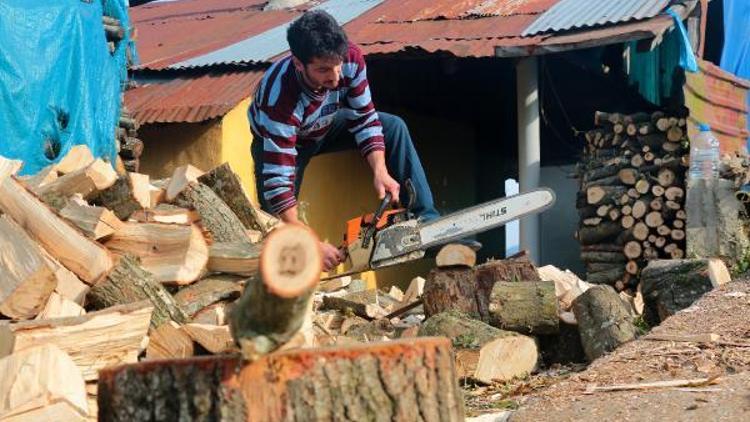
(290, 262)
(456, 255)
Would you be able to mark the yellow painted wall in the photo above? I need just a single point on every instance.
(168, 146)
(235, 146)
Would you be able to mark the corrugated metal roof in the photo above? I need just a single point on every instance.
(573, 14)
(191, 99)
(270, 43)
(718, 98)
(174, 32)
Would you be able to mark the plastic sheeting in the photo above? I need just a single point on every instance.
(735, 56)
(59, 84)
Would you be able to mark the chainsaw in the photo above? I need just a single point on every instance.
(390, 237)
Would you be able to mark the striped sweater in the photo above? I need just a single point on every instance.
(286, 114)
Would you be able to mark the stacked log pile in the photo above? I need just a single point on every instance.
(631, 200)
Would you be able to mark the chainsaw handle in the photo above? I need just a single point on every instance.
(370, 231)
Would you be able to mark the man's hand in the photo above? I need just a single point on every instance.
(382, 180)
(332, 256)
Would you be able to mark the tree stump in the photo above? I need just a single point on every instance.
(603, 321)
(404, 380)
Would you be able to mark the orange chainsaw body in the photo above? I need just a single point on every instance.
(355, 226)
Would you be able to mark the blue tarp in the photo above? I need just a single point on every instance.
(59, 84)
(735, 56)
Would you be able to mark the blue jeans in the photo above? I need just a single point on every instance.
(402, 161)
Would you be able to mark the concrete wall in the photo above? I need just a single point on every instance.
(559, 223)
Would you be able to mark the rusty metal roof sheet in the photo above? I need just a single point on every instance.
(572, 14)
(717, 97)
(191, 99)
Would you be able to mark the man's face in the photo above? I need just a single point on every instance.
(321, 72)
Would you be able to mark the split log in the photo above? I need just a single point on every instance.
(26, 280)
(172, 253)
(98, 339)
(595, 234)
(43, 177)
(483, 352)
(528, 307)
(181, 178)
(59, 306)
(341, 383)
(68, 285)
(334, 284)
(273, 306)
(226, 184)
(87, 182)
(214, 314)
(41, 383)
(455, 255)
(216, 217)
(239, 258)
(87, 259)
(94, 222)
(168, 341)
(207, 291)
(128, 283)
(214, 338)
(129, 194)
(78, 157)
(167, 214)
(603, 321)
(671, 285)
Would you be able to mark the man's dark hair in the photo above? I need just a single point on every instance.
(316, 34)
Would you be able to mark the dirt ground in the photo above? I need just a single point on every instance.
(560, 394)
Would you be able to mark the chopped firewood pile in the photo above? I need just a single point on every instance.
(632, 195)
(124, 298)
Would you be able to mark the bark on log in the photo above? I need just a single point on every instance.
(226, 184)
(128, 282)
(603, 321)
(610, 276)
(595, 234)
(207, 291)
(671, 285)
(603, 256)
(126, 196)
(483, 352)
(273, 306)
(405, 380)
(26, 280)
(216, 216)
(87, 259)
(528, 307)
